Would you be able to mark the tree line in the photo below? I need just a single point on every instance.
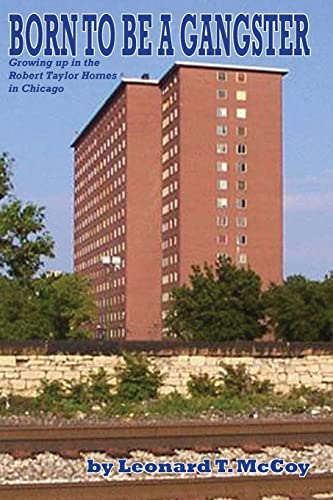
(219, 303)
(225, 303)
(33, 304)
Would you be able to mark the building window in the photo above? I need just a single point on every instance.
(241, 185)
(242, 258)
(165, 191)
(222, 254)
(221, 130)
(222, 185)
(165, 279)
(166, 122)
(241, 239)
(221, 112)
(241, 95)
(165, 156)
(165, 139)
(222, 166)
(222, 239)
(165, 174)
(241, 113)
(240, 77)
(165, 209)
(221, 148)
(241, 221)
(221, 94)
(221, 76)
(241, 203)
(241, 167)
(222, 202)
(241, 149)
(222, 220)
(241, 131)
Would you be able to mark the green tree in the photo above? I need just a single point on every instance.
(218, 304)
(21, 315)
(68, 302)
(301, 309)
(5, 175)
(33, 307)
(47, 308)
(24, 240)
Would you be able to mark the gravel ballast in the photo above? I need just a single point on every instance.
(48, 467)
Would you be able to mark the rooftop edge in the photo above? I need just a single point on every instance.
(126, 80)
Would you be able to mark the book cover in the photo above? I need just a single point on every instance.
(165, 242)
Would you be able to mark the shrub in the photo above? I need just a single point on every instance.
(70, 396)
(202, 386)
(50, 395)
(77, 392)
(237, 381)
(137, 381)
(99, 386)
(13, 404)
(311, 397)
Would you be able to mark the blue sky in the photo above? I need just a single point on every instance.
(38, 129)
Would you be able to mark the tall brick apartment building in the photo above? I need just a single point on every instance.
(174, 172)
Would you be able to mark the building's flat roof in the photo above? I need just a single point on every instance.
(237, 67)
(124, 81)
(140, 80)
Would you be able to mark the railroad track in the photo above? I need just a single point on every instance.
(241, 488)
(119, 440)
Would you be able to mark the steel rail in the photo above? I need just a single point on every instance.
(118, 440)
(249, 488)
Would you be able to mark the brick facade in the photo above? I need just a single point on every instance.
(172, 173)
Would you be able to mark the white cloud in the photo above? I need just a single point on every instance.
(312, 201)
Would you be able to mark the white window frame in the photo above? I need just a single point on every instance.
(223, 96)
(221, 130)
(241, 149)
(238, 204)
(244, 219)
(222, 184)
(241, 73)
(222, 221)
(225, 76)
(222, 203)
(222, 166)
(239, 163)
(221, 112)
(241, 95)
(221, 148)
(241, 135)
(242, 258)
(241, 113)
(237, 185)
(241, 239)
